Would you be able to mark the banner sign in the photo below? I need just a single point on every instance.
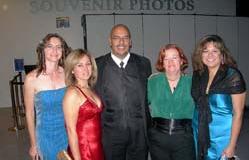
(142, 6)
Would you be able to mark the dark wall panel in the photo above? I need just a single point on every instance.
(242, 8)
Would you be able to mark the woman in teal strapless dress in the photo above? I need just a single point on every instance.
(219, 90)
(44, 89)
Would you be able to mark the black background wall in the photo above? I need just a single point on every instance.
(242, 9)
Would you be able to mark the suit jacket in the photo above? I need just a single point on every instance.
(138, 69)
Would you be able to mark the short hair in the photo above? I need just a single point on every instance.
(120, 26)
(72, 60)
(227, 59)
(161, 55)
(41, 65)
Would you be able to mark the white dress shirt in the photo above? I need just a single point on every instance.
(118, 61)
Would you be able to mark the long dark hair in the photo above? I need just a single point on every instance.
(227, 59)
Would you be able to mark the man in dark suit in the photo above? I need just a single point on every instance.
(122, 81)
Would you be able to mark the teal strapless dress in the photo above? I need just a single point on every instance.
(221, 125)
(51, 134)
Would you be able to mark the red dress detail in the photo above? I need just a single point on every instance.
(88, 129)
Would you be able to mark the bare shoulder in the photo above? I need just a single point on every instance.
(31, 79)
(72, 93)
(31, 76)
(73, 97)
(30, 83)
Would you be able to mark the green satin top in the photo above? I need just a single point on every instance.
(165, 104)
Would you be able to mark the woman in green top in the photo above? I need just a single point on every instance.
(171, 105)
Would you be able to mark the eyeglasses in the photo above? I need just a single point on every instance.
(118, 38)
(51, 47)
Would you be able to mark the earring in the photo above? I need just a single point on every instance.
(222, 59)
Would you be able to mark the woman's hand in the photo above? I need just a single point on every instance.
(33, 152)
(229, 151)
(238, 108)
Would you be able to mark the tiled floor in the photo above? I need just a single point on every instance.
(14, 145)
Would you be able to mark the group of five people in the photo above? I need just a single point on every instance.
(113, 108)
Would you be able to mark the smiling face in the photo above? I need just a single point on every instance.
(53, 50)
(172, 61)
(83, 69)
(211, 56)
(120, 41)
